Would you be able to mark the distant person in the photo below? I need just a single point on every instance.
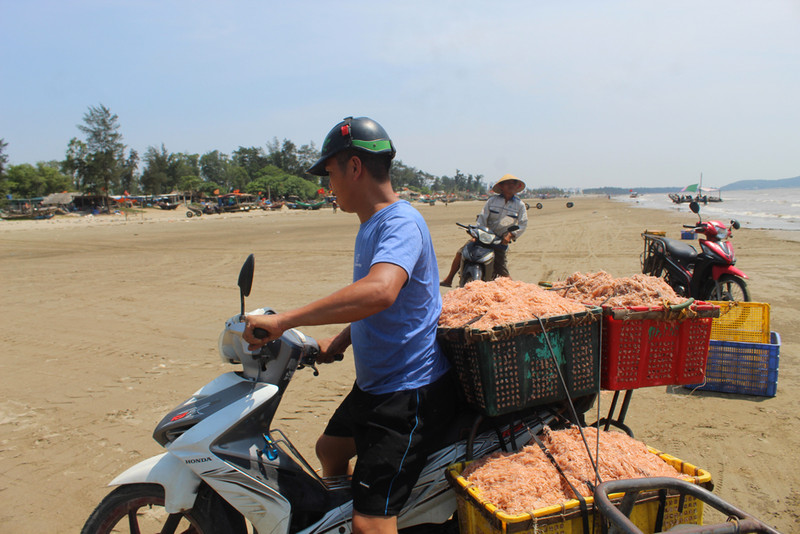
(501, 211)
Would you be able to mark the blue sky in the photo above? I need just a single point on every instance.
(566, 93)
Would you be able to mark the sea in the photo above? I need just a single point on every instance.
(770, 209)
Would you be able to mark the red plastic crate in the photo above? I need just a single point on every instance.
(643, 352)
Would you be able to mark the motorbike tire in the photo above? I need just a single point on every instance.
(140, 508)
(189, 214)
(465, 279)
(728, 288)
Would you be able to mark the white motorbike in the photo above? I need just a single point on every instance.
(226, 470)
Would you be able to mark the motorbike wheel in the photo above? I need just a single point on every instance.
(465, 279)
(189, 214)
(139, 508)
(729, 287)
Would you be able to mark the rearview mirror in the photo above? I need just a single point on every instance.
(246, 275)
(246, 279)
(735, 224)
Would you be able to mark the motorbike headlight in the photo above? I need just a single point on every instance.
(722, 233)
(485, 237)
(232, 346)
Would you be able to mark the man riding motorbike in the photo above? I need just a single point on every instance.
(501, 211)
(404, 397)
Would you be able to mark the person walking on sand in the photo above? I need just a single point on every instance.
(404, 395)
(503, 210)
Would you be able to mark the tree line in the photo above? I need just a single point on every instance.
(100, 163)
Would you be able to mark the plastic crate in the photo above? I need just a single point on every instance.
(744, 368)
(687, 234)
(741, 321)
(645, 347)
(477, 516)
(511, 368)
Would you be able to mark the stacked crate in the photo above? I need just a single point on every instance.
(744, 353)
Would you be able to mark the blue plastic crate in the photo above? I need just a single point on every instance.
(743, 368)
(687, 234)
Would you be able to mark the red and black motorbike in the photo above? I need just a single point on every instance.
(707, 275)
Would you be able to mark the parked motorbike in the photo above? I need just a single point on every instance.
(477, 256)
(225, 466)
(707, 275)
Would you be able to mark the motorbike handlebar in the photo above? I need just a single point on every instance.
(260, 333)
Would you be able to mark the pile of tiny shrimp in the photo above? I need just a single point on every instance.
(502, 301)
(520, 482)
(602, 289)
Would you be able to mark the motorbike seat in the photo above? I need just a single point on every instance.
(683, 252)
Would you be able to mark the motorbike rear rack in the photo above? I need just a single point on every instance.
(652, 257)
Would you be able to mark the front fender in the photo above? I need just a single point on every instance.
(719, 270)
(179, 482)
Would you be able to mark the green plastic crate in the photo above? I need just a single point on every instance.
(510, 368)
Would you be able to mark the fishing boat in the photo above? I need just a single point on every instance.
(35, 214)
(696, 193)
(309, 205)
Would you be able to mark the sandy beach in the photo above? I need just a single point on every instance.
(109, 322)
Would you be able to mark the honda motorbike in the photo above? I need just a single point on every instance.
(477, 256)
(706, 275)
(226, 470)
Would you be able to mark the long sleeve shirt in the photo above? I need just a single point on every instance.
(498, 215)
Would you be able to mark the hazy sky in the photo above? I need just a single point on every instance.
(565, 93)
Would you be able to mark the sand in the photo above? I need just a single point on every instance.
(110, 322)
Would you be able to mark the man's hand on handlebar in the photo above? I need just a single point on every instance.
(260, 330)
(332, 348)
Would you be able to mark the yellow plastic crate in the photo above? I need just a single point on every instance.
(477, 516)
(741, 321)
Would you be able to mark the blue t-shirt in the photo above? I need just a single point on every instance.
(396, 349)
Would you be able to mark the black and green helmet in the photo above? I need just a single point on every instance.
(361, 133)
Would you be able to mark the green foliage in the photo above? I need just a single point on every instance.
(97, 164)
(276, 183)
(74, 163)
(214, 168)
(236, 178)
(3, 157)
(27, 181)
(292, 160)
(127, 178)
(104, 160)
(164, 170)
(3, 181)
(251, 159)
(460, 183)
(155, 179)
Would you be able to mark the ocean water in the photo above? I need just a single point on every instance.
(774, 209)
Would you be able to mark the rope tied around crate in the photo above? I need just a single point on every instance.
(581, 500)
(690, 309)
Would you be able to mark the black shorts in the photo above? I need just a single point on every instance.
(394, 433)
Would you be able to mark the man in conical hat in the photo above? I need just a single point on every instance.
(501, 211)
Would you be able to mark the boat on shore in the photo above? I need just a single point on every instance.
(703, 198)
(696, 193)
(34, 214)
